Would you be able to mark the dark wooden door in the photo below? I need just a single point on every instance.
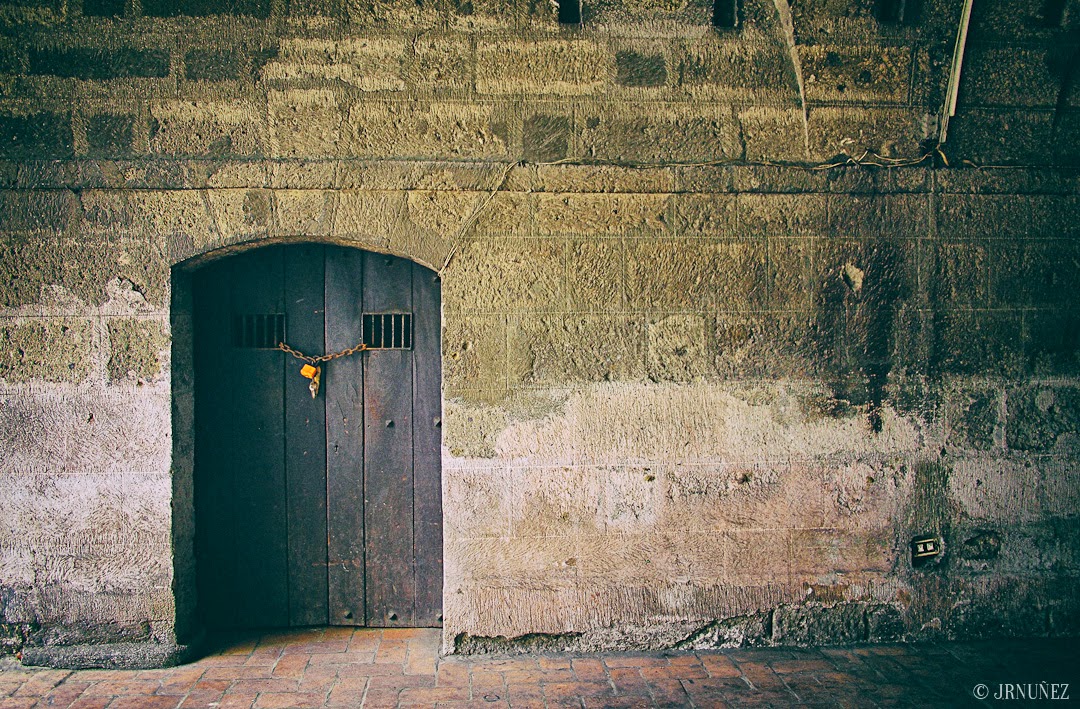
(325, 510)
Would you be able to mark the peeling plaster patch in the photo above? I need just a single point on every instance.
(677, 349)
(88, 429)
(108, 536)
(615, 423)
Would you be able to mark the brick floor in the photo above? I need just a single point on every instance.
(337, 667)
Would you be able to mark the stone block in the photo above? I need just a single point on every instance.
(1002, 136)
(111, 531)
(441, 64)
(842, 623)
(37, 213)
(851, 131)
(792, 278)
(547, 563)
(470, 431)
(637, 133)
(183, 128)
(1011, 75)
(505, 214)
(368, 63)
(960, 274)
(907, 216)
(563, 349)
(182, 218)
(203, 8)
(36, 136)
(884, 623)
(596, 275)
(99, 64)
(856, 216)
(974, 419)
(132, 271)
(506, 275)
(304, 213)
(601, 214)
(995, 491)
(241, 214)
(35, 271)
(1059, 487)
(870, 274)
(214, 65)
(1043, 418)
(782, 215)
(631, 499)
(545, 138)
(445, 213)
(103, 8)
(774, 133)
(370, 216)
(1034, 273)
(757, 557)
(109, 136)
(304, 123)
(47, 349)
(820, 552)
(301, 175)
(977, 342)
(1053, 342)
(766, 345)
(85, 430)
(547, 66)
(695, 274)
(706, 215)
(758, 72)
(1052, 216)
(482, 502)
(637, 69)
(600, 178)
(474, 351)
(862, 74)
(651, 559)
(554, 501)
(978, 216)
(107, 214)
(440, 130)
(677, 349)
(138, 350)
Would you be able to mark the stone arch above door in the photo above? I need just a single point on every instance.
(420, 225)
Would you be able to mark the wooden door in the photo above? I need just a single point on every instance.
(325, 510)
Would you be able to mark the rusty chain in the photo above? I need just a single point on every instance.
(321, 358)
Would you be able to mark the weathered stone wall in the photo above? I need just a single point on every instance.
(690, 398)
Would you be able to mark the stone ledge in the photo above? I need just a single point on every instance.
(111, 656)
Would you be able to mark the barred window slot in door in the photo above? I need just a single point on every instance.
(388, 331)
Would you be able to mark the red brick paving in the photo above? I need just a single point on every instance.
(340, 667)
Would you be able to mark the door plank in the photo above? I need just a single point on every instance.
(258, 437)
(215, 547)
(305, 439)
(427, 446)
(388, 484)
(344, 386)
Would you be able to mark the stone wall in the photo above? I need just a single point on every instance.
(700, 387)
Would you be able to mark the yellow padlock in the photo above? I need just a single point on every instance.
(308, 371)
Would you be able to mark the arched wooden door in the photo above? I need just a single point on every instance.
(325, 510)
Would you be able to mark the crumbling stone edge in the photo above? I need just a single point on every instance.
(801, 625)
(111, 656)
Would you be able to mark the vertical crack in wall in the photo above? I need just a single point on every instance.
(783, 9)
